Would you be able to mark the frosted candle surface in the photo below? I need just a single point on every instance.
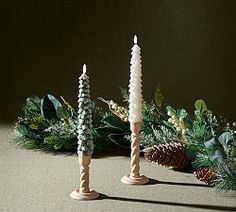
(84, 127)
(135, 85)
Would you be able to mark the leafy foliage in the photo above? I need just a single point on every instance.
(55, 132)
(177, 122)
(226, 172)
(41, 126)
(62, 135)
(125, 95)
(159, 99)
(157, 136)
(217, 153)
(119, 111)
(50, 124)
(200, 105)
(150, 118)
(32, 106)
(113, 131)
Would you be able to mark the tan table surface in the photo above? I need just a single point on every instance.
(36, 181)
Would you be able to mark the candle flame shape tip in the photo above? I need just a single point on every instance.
(135, 39)
(84, 68)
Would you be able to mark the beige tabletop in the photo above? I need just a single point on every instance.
(36, 181)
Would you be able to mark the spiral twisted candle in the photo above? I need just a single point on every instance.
(84, 174)
(85, 139)
(135, 115)
(135, 150)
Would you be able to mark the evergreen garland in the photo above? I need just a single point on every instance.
(51, 125)
(226, 172)
(34, 130)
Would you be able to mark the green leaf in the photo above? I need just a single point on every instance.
(225, 138)
(183, 113)
(104, 133)
(200, 105)
(125, 94)
(210, 144)
(69, 110)
(107, 130)
(62, 113)
(217, 156)
(49, 106)
(53, 141)
(115, 122)
(159, 98)
(170, 110)
(119, 140)
(32, 106)
(233, 152)
(213, 143)
(191, 154)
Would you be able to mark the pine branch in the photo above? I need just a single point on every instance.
(159, 99)
(226, 175)
(202, 161)
(125, 95)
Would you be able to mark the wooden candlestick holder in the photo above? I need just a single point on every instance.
(134, 178)
(84, 192)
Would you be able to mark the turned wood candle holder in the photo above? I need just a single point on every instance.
(134, 178)
(84, 192)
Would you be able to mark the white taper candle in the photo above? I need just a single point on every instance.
(135, 85)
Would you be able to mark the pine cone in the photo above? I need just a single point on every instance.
(169, 155)
(206, 175)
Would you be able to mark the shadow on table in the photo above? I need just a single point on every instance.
(190, 205)
(112, 153)
(156, 182)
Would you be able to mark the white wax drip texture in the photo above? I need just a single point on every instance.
(135, 86)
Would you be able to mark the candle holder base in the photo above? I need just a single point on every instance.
(127, 179)
(84, 196)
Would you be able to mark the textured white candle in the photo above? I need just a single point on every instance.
(135, 85)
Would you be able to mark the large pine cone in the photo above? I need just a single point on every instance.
(206, 175)
(169, 155)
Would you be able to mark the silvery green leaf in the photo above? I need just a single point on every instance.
(183, 113)
(217, 156)
(225, 138)
(211, 143)
(171, 110)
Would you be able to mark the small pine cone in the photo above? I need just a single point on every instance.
(206, 175)
(169, 155)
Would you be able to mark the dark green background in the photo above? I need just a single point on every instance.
(188, 46)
